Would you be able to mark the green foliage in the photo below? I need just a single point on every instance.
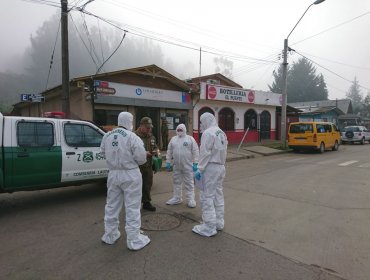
(33, 67)
(354, 93)
(303, 83)
(277, 85)
(365, 111)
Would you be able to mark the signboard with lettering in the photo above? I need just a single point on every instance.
(216, 92)
(103, 90)
(32, 98)
(239, 95)
(147, 93)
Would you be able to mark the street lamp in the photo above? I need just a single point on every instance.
(285, 85)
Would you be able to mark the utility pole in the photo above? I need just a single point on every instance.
(284, 96)
(285, 85)
(65, 59)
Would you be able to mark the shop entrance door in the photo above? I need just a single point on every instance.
(152, 113)
(265, 125)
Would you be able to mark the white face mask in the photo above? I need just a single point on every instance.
(181, 130)
(201, 128)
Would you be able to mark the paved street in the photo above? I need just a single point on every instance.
(288, 216)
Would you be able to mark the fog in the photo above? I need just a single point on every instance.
(250, 34)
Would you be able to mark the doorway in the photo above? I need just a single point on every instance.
(152, 113)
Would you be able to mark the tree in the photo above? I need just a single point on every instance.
(354, 93)
(84, 58)
(277, 85)
(303, 83)
(365, 112)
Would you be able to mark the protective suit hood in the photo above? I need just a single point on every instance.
(181, 133)
(207, 120)
(125, 119)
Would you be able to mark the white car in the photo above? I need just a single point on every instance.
(358, 134)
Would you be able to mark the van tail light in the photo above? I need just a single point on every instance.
(315, 137)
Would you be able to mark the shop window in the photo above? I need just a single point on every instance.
(174, 119)
(250, 120)
(226, 119)
(107, 117)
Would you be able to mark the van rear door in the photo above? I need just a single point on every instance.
(301, 134)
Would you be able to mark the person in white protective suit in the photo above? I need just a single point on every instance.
(183, 153)
(124, 152)
(211, 169)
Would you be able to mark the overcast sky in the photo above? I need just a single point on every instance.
(249, 33)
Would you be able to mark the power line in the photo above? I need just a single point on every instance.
(193, 28)
(337, 62)
(92, 47)
(166, 41)
(123, 37)
(326, 30)
(44, 2)
(329, 70)
(96, 65)
(52, 56)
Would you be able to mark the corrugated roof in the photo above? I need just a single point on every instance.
(345, 105)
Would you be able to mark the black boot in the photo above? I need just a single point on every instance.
(148, 206)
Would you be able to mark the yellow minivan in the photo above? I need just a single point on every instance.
(319, 136)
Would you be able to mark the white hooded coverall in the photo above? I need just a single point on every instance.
(213, 150)
(124, 152)
(182, 152)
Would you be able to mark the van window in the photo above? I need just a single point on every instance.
(301, 128)
(81, 135)
(320, 128)
(327, 127)
(35, 134)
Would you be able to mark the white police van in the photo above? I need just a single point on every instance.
(38, 153)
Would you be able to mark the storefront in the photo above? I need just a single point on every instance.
(238, 111)
(145, 92)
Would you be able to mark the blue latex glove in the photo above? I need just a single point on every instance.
(197, 175)
(168, 166)
(195, 167)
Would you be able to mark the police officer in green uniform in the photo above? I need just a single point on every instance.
(145, 133)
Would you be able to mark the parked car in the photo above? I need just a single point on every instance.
(313, 136)
(355, 133)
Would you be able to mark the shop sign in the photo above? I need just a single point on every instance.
(101, 84)
(215, 92)
(139, 92)
(103, 90)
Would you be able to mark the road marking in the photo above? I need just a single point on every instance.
(295, 159)
(326, 161)
(365, 165)
(348, 162)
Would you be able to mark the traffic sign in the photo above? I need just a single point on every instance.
(101, 84)
(104, 90)
(25, 97)
(36, 98)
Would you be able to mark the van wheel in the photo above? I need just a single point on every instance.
(322, 147)
(336, 146)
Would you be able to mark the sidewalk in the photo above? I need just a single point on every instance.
(246, 151)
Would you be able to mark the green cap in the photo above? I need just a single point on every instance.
(147, 122)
